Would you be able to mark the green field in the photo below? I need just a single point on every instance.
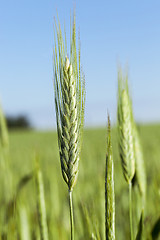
(88, 196)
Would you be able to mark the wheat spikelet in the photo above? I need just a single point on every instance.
(109, 190)
(69, 103)
(125, 128)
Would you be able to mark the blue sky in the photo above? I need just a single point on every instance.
(111, 32)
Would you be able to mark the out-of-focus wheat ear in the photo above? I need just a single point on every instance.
(125, 129)
(126, 137)
(4, 156)
(41, 203)
(4, 139)
(155, 232)
(140, 166)
(109, 190)
(90, 232)
(140, 227)
(86, 221)
(24, 223)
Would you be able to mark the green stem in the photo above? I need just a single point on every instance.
(130, 209)
(71, 215)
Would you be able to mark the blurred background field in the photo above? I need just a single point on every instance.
(89, 192)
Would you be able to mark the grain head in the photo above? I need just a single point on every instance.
(69, 102)
(109, 190)
(125, 129)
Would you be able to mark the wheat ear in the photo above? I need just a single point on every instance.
(125, 129)
(126, 141)
(69, 91)
(41, 203)
(140, 166)
(4, 138)
(109, 190)
(24, 223)
(4, 156)
(69, 102)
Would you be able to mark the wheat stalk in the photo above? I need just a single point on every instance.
(109, 190)
(69, 91)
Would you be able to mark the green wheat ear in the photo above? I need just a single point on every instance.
(125, 129)
(126, 138)
(140, 166)
(41, 202)
(109, 190)
(4, 138)
(4, 156)
(69, 89)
